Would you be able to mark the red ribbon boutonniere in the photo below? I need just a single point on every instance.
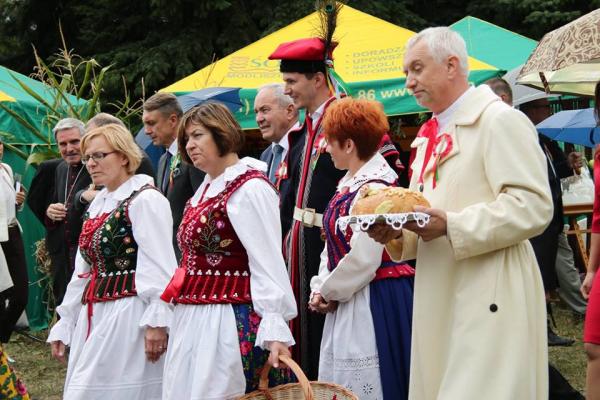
(442, 147)
(281, 173)
(318, 148)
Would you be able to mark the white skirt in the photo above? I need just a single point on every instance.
(111, 363)
(349, 354)
(203, 357)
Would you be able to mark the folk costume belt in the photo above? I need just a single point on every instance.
(309, 217)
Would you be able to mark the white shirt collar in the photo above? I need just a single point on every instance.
(445, 116)
(319, 112)
(284, 141)
(376, 168)
(106, 200)
(217, 185)
(173, 148)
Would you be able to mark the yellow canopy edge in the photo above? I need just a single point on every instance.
(370, 49)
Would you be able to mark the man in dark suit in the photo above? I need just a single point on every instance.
(42, 188)
(545, 245)
(176, 180)
(277, 119)
(314, 179)
(64, 216)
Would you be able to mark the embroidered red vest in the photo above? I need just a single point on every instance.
(214, 259)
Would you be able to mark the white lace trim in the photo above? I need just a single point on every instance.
(157, 314)
(61, 331)
(396, 221)
(359, 375)
(273, 328)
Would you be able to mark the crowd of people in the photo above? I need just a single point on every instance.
(184, 284)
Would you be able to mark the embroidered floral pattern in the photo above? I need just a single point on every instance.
(108, 245)
(11, 387)
(254, 358)
(215, 261)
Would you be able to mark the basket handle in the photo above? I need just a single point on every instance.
(302, 379)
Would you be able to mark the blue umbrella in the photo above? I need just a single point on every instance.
(228, 96)
(572, 126)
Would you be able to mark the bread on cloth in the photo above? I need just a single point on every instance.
(388, 200)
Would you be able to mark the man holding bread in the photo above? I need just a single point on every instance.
(479, 324)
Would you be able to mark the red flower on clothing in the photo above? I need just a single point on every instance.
(245, 348)
(254, 320)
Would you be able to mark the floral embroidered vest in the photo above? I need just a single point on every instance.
(108, 245)
(338, 242)
(214, 259)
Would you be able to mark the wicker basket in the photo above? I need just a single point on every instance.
(303, 390)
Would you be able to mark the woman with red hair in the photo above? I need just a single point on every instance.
(366, 296)
(590, 288)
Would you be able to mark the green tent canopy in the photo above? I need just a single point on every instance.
(493, 44)
(33, 112)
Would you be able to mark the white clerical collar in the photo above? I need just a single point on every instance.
(445, 116)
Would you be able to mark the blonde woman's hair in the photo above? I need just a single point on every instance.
(121, 140)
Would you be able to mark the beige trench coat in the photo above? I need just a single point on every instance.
(494, 186)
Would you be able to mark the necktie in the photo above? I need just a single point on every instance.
(277, 153)
(166, 173)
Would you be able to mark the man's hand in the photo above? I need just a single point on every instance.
(58, 351)
(575, 160)
(155, 343)
(56, 211)
(383, 233)
(436, 226)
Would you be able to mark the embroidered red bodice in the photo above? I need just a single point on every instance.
(213, 258)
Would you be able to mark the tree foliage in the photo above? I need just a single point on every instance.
(153, 43)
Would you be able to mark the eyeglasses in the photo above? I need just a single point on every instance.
(98, 156)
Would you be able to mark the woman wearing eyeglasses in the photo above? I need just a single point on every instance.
(112, 317)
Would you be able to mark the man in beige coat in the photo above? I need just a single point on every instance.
(479, 328)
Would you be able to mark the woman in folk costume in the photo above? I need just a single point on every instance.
(112, 316)
(232, 292)
(367, 297)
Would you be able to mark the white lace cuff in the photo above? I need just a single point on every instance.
(273, 328)
(158, 314)
(61, 331)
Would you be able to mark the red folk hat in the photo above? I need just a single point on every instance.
(303, 55)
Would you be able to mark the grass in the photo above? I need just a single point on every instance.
(570, 361)
(44, 376)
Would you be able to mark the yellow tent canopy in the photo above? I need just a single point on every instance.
(5, 97)
(369, 59)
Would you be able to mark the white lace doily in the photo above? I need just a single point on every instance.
(396, 221)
